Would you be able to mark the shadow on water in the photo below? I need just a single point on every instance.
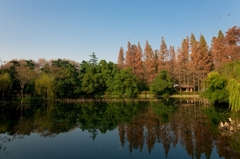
(190, 123)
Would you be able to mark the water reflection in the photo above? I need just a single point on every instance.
(191, 124)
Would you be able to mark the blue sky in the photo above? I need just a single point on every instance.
(52, 29)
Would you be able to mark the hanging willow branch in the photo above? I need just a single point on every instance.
(233, 88)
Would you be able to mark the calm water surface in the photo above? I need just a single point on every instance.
(164, 129)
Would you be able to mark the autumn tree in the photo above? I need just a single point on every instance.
(163, 56)
(121, 58)
(205, 60)
(40, 64)
(129, 60)
(24, 74)
(233, 43)
(172, 63)
(184, 61)
(194, 60)
(149, 66)
(138, 69)
(218, 50)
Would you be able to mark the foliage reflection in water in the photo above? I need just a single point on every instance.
(171, 129)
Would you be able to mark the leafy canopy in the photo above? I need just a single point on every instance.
(162, 84)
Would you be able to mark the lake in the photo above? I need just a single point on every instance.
(163, 129)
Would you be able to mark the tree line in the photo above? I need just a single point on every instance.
(63, 78)
(137, 70)
(189, 64)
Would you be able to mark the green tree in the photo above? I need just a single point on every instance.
(66, 75)
(124, 84)
(106, 72)
(216, 88)
(5, 83)
(162, 84)
(231, 72)
(89, 79)
(93, 59)
(45, 86)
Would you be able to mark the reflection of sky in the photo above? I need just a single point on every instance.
(78, 144)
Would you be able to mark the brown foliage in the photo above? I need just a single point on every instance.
(163, 56)
(138, 63)
(149, 63)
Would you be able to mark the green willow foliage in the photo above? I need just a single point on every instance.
(216, 91)
(5, 82)
(44, 85)
(232, 70)
(234, 94)
(225, 85)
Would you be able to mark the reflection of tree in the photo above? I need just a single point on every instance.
(135, 133)
(138, 123)
(167, 124)
(163, 111)
(93, 132)
(152, 124)
(24, 126)
(121, 132)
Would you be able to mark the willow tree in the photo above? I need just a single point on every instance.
(5, 82)
(44, 85)
(233, 88)
(225, 85)
(231, 72)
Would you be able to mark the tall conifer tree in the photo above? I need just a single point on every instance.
(121, 58)
(163, 56)
(218, 50)
(138, 64)
(184, 60)
(129, 55)
(194, 59)
(233, 43)
(172, 63)
(205, 60)
(149, 67)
